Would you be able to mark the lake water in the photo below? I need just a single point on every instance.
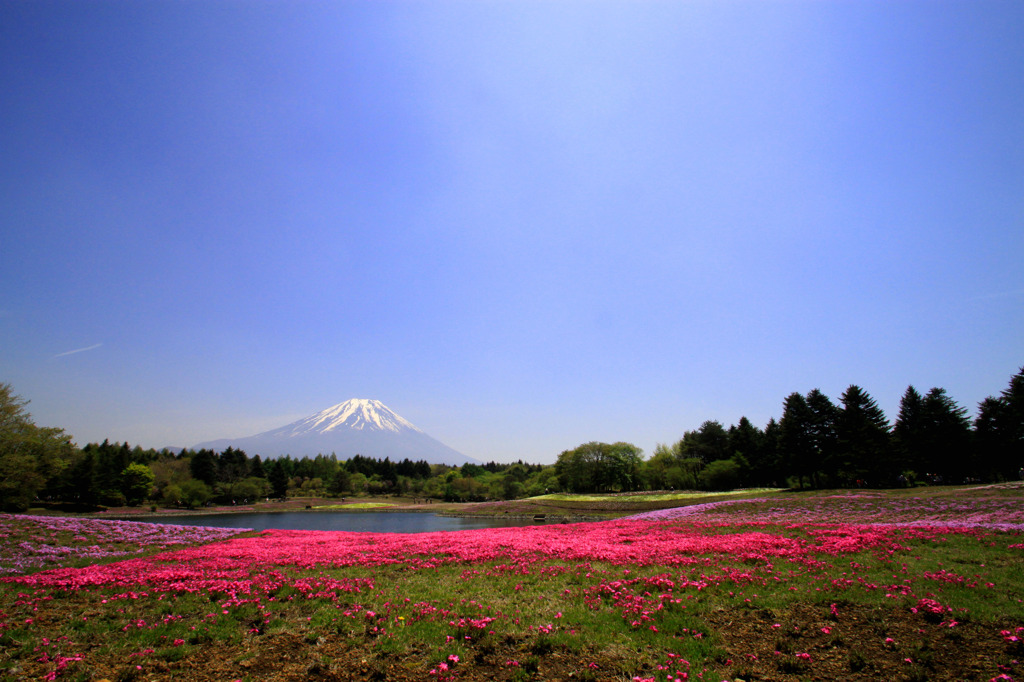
(373, 522)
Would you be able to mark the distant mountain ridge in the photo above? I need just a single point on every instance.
(354, 427)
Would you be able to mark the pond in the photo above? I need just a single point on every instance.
(373, 522)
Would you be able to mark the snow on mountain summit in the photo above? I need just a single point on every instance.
(356, 414)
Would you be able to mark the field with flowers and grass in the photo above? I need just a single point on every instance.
(854, 585)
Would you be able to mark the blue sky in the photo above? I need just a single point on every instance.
(520, 225)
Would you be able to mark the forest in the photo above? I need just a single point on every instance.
(816, 443)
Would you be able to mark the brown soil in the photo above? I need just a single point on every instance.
(855, 648)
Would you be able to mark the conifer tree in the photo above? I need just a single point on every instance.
(203, 466)
(277, 475)
(767, 467)
(863, 433)
(745, 438)
(947, 433)
(1012, 422)
(796, 447)
(992, 443)
(823, 435)
(908, 434)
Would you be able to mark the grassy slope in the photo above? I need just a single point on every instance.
(747, 616)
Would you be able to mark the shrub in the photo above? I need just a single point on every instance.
(722, 474)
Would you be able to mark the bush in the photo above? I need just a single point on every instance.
(172, 495)
(195, 493)
(112, 498)
(722, 474)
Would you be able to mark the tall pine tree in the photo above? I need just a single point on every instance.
(823, 434)
(863, 433)
(796, 447)
(1012, 422)
(999, 432)
(947, 432)
(767, 468)
(909, 444)
(991, 442)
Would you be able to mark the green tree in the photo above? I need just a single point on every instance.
(232, 465)
(745, 438)
(203, 466)
(596, 467)
(655, 470)
(195, 493)
(863, 434)
(708, 443)
(823, 436)
(256, 469)
(622, 466)
(542, 482)
(764, 465)
(796, 447)
(507, 488)
(136, 482)
(245, 491)
(999, 431)
(577, 468)
(277, 475)
(358, 483)
(470, 470)
(341, 483)
(30, 456)
(109, 460)
(76, 481)
(722, 474)
(1013, 421)
(947, 436)
(173, 495)
(908, 434)
(168, 470)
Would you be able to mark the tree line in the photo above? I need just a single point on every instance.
(42, 465)
(815, 443)
(819, 443)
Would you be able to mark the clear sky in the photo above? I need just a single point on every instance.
(520, 225)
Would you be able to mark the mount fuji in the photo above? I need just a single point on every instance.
(354, 427)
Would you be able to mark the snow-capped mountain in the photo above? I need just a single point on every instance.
(354, 427)
(354, 414)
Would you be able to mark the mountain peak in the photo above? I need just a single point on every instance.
(357, 413)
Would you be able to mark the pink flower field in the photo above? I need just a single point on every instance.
(31, 542)
(771, 588)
